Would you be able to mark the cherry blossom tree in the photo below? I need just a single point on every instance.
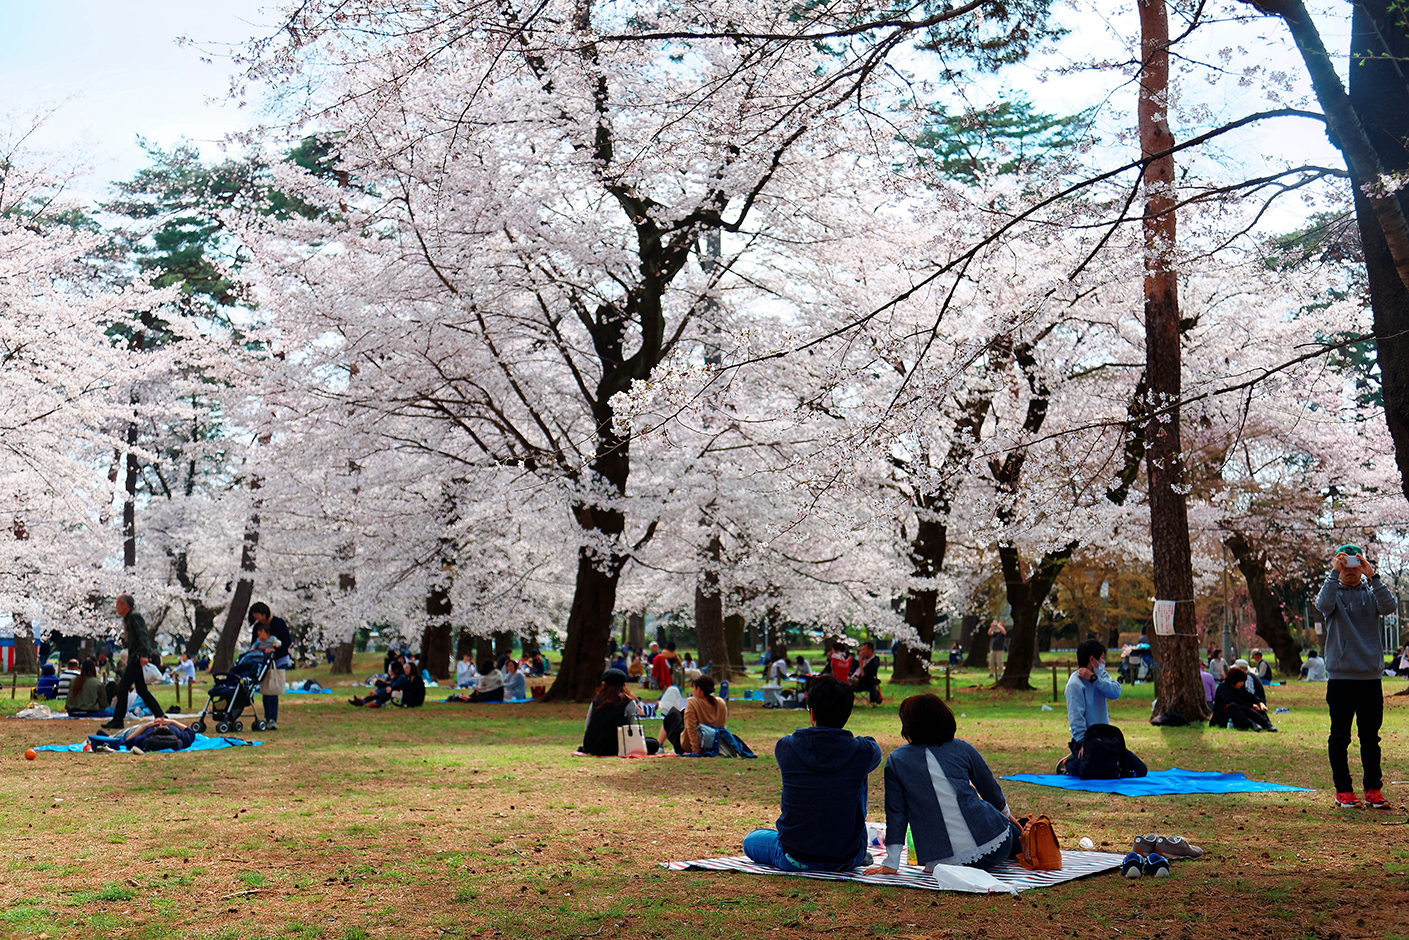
(67, 393)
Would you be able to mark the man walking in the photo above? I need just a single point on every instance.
(1352, 601)
(139, 645)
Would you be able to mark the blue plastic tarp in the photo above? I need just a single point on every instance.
(1159, 783)
(202, 743)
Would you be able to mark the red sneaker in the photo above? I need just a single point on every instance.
(1376, 800)
(1347, 801)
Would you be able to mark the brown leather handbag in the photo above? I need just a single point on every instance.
(1039, 844)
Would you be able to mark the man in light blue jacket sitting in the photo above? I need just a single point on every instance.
(1087, 692)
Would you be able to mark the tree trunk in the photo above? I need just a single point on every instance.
(636, 631)
(774, 637)
(589, 626)
(504, 643)
(602, 522)
(234, 623)
(240, 602)
(465, 643)
(26, 657)
(1379, 47)
(435, 642)
(484, 650)
(1025, 598)
(1271, 623)
(967, 625)
(342, 659)
(709, 610)
(203, 618)
(1178, 685)
(129, 502)
(912, 663)
(977, 657)
(733, 647)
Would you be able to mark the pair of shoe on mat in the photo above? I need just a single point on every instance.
(1152, 854)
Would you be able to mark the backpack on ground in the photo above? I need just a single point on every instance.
(1039, 844)
(1101, 754)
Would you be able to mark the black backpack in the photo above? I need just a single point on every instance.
(1101, 754)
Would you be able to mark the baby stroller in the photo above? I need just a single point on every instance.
(232, 693)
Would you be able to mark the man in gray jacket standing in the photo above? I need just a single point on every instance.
(1352, 601)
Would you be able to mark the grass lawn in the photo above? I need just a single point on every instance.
(457, 820)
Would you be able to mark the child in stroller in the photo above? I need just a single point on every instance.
(233, 692)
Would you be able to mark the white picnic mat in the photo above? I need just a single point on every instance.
(1008, 878)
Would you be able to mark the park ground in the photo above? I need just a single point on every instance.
(475, 821)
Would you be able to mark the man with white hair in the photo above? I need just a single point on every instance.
(139, 646)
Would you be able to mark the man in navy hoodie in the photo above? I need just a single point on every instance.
(823, 822)
(1352, 600)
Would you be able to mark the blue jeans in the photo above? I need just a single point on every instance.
(762, 846)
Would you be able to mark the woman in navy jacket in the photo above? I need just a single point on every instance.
(941, 788)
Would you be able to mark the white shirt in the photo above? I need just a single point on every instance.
(186, 670)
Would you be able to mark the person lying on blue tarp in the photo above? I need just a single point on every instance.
(155, 734)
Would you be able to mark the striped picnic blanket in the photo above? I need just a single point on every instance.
(1008, 878)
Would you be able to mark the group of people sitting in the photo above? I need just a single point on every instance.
(406, 689)
(491, 682)
(861, 672)
(937, 786)
(656, 668)
(614, 706)
(54, 684)
(1237, 694)
(84, 692)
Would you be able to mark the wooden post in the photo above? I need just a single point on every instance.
(946, 683)
(14, 677)
(1054, 682)
(189, 683)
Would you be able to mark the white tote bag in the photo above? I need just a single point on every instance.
(630, 741)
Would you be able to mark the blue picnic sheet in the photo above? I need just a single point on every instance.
(307, 692)
(1159, 783)
(202, 743)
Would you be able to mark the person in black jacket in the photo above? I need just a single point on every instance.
(612, 708)
(1233, 702)
(865, 673)
(274, 677)
(138, 641)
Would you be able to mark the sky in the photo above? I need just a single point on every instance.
(114, 71)
(111, 70)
